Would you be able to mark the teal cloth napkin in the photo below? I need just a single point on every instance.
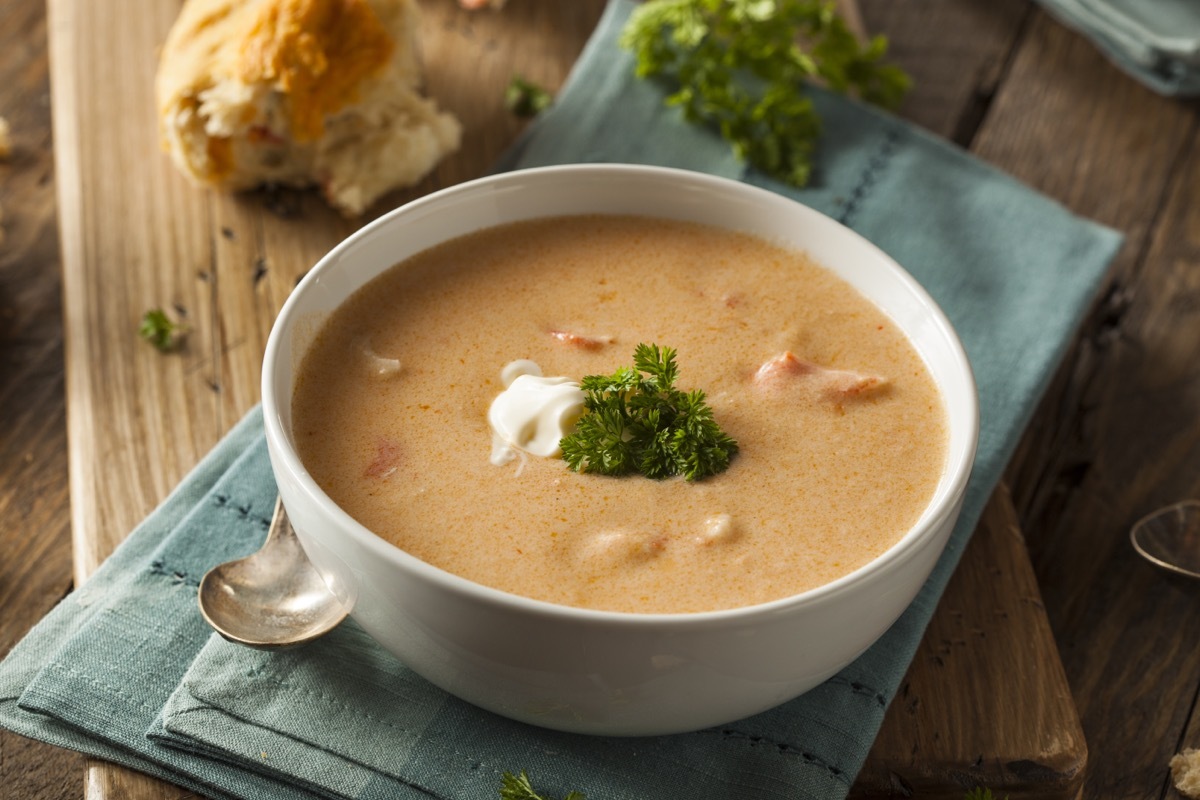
(125, 669)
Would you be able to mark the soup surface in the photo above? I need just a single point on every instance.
(842, 432)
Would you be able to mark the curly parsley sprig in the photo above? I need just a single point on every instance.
(158, 329)
(525, 98)
(981, 793)
(742, 65)
(635, 420)
(518, 787)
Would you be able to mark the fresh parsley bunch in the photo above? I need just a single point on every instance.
(635, 420)
(742, 66)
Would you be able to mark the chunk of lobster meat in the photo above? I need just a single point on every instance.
(386, 460)
(579, 340)
(786, 370)
(378, 366)
(613, 548)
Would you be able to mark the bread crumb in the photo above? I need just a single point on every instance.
(5, 140)
(1185, 771)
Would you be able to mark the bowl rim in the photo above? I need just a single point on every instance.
(907, 547)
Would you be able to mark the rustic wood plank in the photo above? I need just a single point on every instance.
(1145, 404)
(956, 52)
(105, 780)
(35, 570)
(1117, 431)
(985, 701)
(134, 267)
(1158, 324)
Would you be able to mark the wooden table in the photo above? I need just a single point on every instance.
(1113, 439)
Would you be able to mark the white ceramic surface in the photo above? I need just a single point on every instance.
(591, 671)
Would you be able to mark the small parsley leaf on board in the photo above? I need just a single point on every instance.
(158, 329)
(635, 420)
(518, 787)
(981, 793)
(741, 66)
(525, 98)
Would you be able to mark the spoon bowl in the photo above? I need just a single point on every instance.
(1170, 539)
(272, 599)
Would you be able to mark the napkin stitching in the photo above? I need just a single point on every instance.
(870, 175)
(159, 567)
(227, 503)
(728, 734)
(94, 681)
(858, 687)
(785, 749)
(222, 502)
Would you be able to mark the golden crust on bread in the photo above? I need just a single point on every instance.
(318, 52)
(300, 92)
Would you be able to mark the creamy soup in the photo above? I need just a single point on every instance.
(842, 431)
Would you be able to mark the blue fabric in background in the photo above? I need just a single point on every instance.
(124, 668)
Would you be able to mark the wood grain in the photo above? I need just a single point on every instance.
(135, 236)
(986, 702)
(35, 567)
(1116, 434)
(955, 77)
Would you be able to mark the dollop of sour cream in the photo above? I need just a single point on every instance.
(533, 413)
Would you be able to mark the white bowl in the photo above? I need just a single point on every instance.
(592, 671)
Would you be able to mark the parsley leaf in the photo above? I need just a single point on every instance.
(518, 787)
(981, 793)
(741, 67)
(635, 420)
(526, 99)
(158, 329)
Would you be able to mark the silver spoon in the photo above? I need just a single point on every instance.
(1170, 538)
(272, 599)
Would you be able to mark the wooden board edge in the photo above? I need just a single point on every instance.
(1059, 770)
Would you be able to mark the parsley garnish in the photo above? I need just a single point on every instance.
(635, 420)
(518, 787)
(157, 329)
(741, 66)
(981, 793)
(526, 99)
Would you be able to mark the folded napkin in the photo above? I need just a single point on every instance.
(125, 669)
(1155, 41)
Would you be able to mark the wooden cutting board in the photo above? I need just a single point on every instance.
(985, 702)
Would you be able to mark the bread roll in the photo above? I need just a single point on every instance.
(300, 92)
(1185, 771)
